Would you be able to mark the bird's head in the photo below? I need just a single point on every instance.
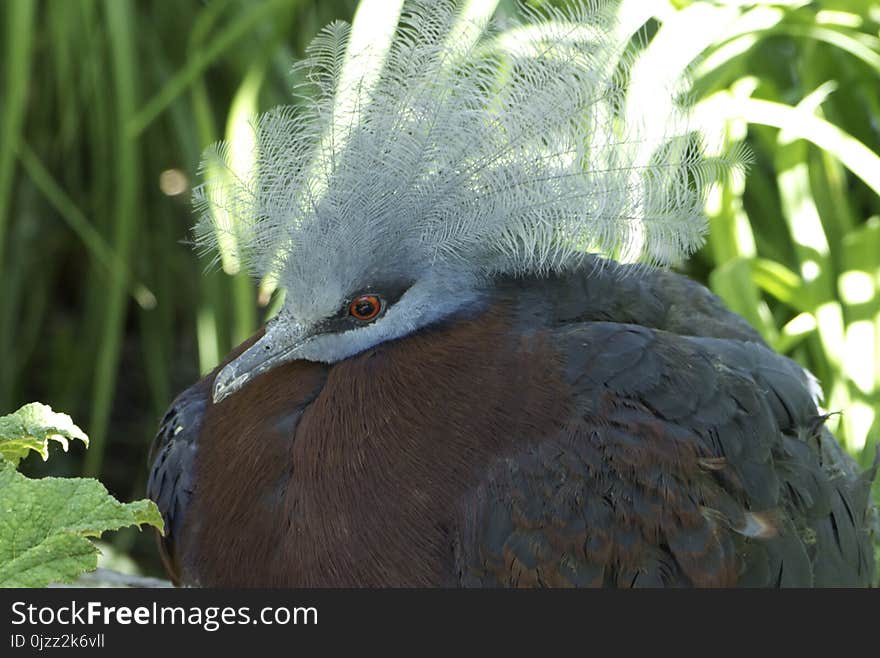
(337, 309)
(386, 201)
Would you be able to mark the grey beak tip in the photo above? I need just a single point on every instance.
(223, 385)
(218, 395)
(268, 352)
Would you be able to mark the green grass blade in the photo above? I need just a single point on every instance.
(120, 21)
(201, 60)
(776, 279)
(854, 155)
(94, 242)
(733, 283)
(19, 18)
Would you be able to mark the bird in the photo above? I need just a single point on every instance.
(483, 373)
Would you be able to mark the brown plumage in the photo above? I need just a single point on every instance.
(567, 431)
(370, 474)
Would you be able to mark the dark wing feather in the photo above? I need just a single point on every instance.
(172, 459)
(687, 460)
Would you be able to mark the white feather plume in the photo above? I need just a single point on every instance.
(503, 152)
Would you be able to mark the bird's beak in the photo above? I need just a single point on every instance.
(280, 344)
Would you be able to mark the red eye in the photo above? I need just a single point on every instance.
(365, 307)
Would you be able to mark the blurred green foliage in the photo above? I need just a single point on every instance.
(105, 107)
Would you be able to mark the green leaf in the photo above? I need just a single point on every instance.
(71, 555)
(44, 525)
(31, 428)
